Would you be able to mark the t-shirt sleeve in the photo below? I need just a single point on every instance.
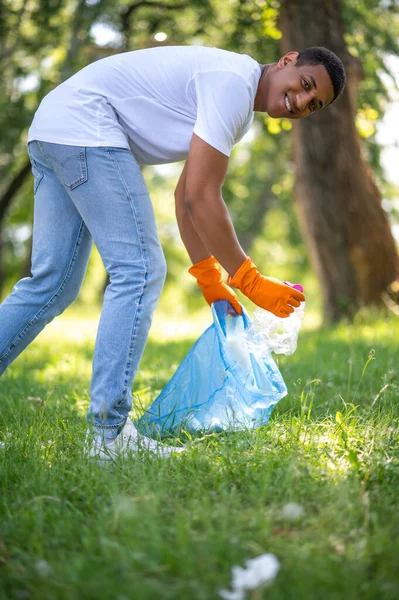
(223, 108)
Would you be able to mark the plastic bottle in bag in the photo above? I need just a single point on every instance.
(275, 333)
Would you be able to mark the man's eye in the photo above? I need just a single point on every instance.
(306, 84)
(313, 104)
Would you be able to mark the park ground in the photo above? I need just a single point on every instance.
(317, 487)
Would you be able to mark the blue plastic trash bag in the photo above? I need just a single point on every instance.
(220, 385)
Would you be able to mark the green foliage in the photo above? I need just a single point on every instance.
(372, 33)
(175, 529)
(46, 41)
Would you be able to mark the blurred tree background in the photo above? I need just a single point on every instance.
(316, 209)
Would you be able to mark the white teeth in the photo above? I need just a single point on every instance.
(288, 105)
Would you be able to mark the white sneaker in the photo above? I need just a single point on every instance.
(129, 440)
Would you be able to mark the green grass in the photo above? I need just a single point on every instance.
(148, 529)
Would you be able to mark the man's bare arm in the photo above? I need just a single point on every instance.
(206, 171)
(193, 243)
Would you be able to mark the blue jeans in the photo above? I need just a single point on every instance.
(85, 194)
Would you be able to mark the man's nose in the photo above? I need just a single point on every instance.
(303, 99)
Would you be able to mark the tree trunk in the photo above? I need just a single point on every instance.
(256, 214)
(351, 245)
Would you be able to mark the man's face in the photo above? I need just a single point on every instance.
(295, 92)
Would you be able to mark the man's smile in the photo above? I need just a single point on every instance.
(288, 104)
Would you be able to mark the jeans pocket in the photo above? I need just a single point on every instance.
(69, 164)
(37, 175)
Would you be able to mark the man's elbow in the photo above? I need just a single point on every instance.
(193, 201)
(202, 197)
(189, 200)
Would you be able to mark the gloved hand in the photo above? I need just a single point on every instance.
(208, 274)
(267, 292)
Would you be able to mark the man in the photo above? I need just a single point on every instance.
(86, 143)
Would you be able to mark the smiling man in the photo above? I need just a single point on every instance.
(300, 83)
(86, 144)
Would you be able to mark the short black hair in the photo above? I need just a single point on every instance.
(317, 55)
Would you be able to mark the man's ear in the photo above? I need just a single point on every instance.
(289, 58)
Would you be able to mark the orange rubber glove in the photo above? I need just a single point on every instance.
(208, 274)
(267, 292)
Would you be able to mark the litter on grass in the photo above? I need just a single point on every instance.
(292, 512)
(259, 571)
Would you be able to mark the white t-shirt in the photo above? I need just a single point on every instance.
(152, 101)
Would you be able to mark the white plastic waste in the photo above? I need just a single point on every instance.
(259, 571)
(236, 337)
(266, 333)
(279, 335)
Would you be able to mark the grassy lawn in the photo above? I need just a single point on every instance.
(147, 529)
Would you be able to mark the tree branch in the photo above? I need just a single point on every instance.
(128, 11)
(13, 187)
